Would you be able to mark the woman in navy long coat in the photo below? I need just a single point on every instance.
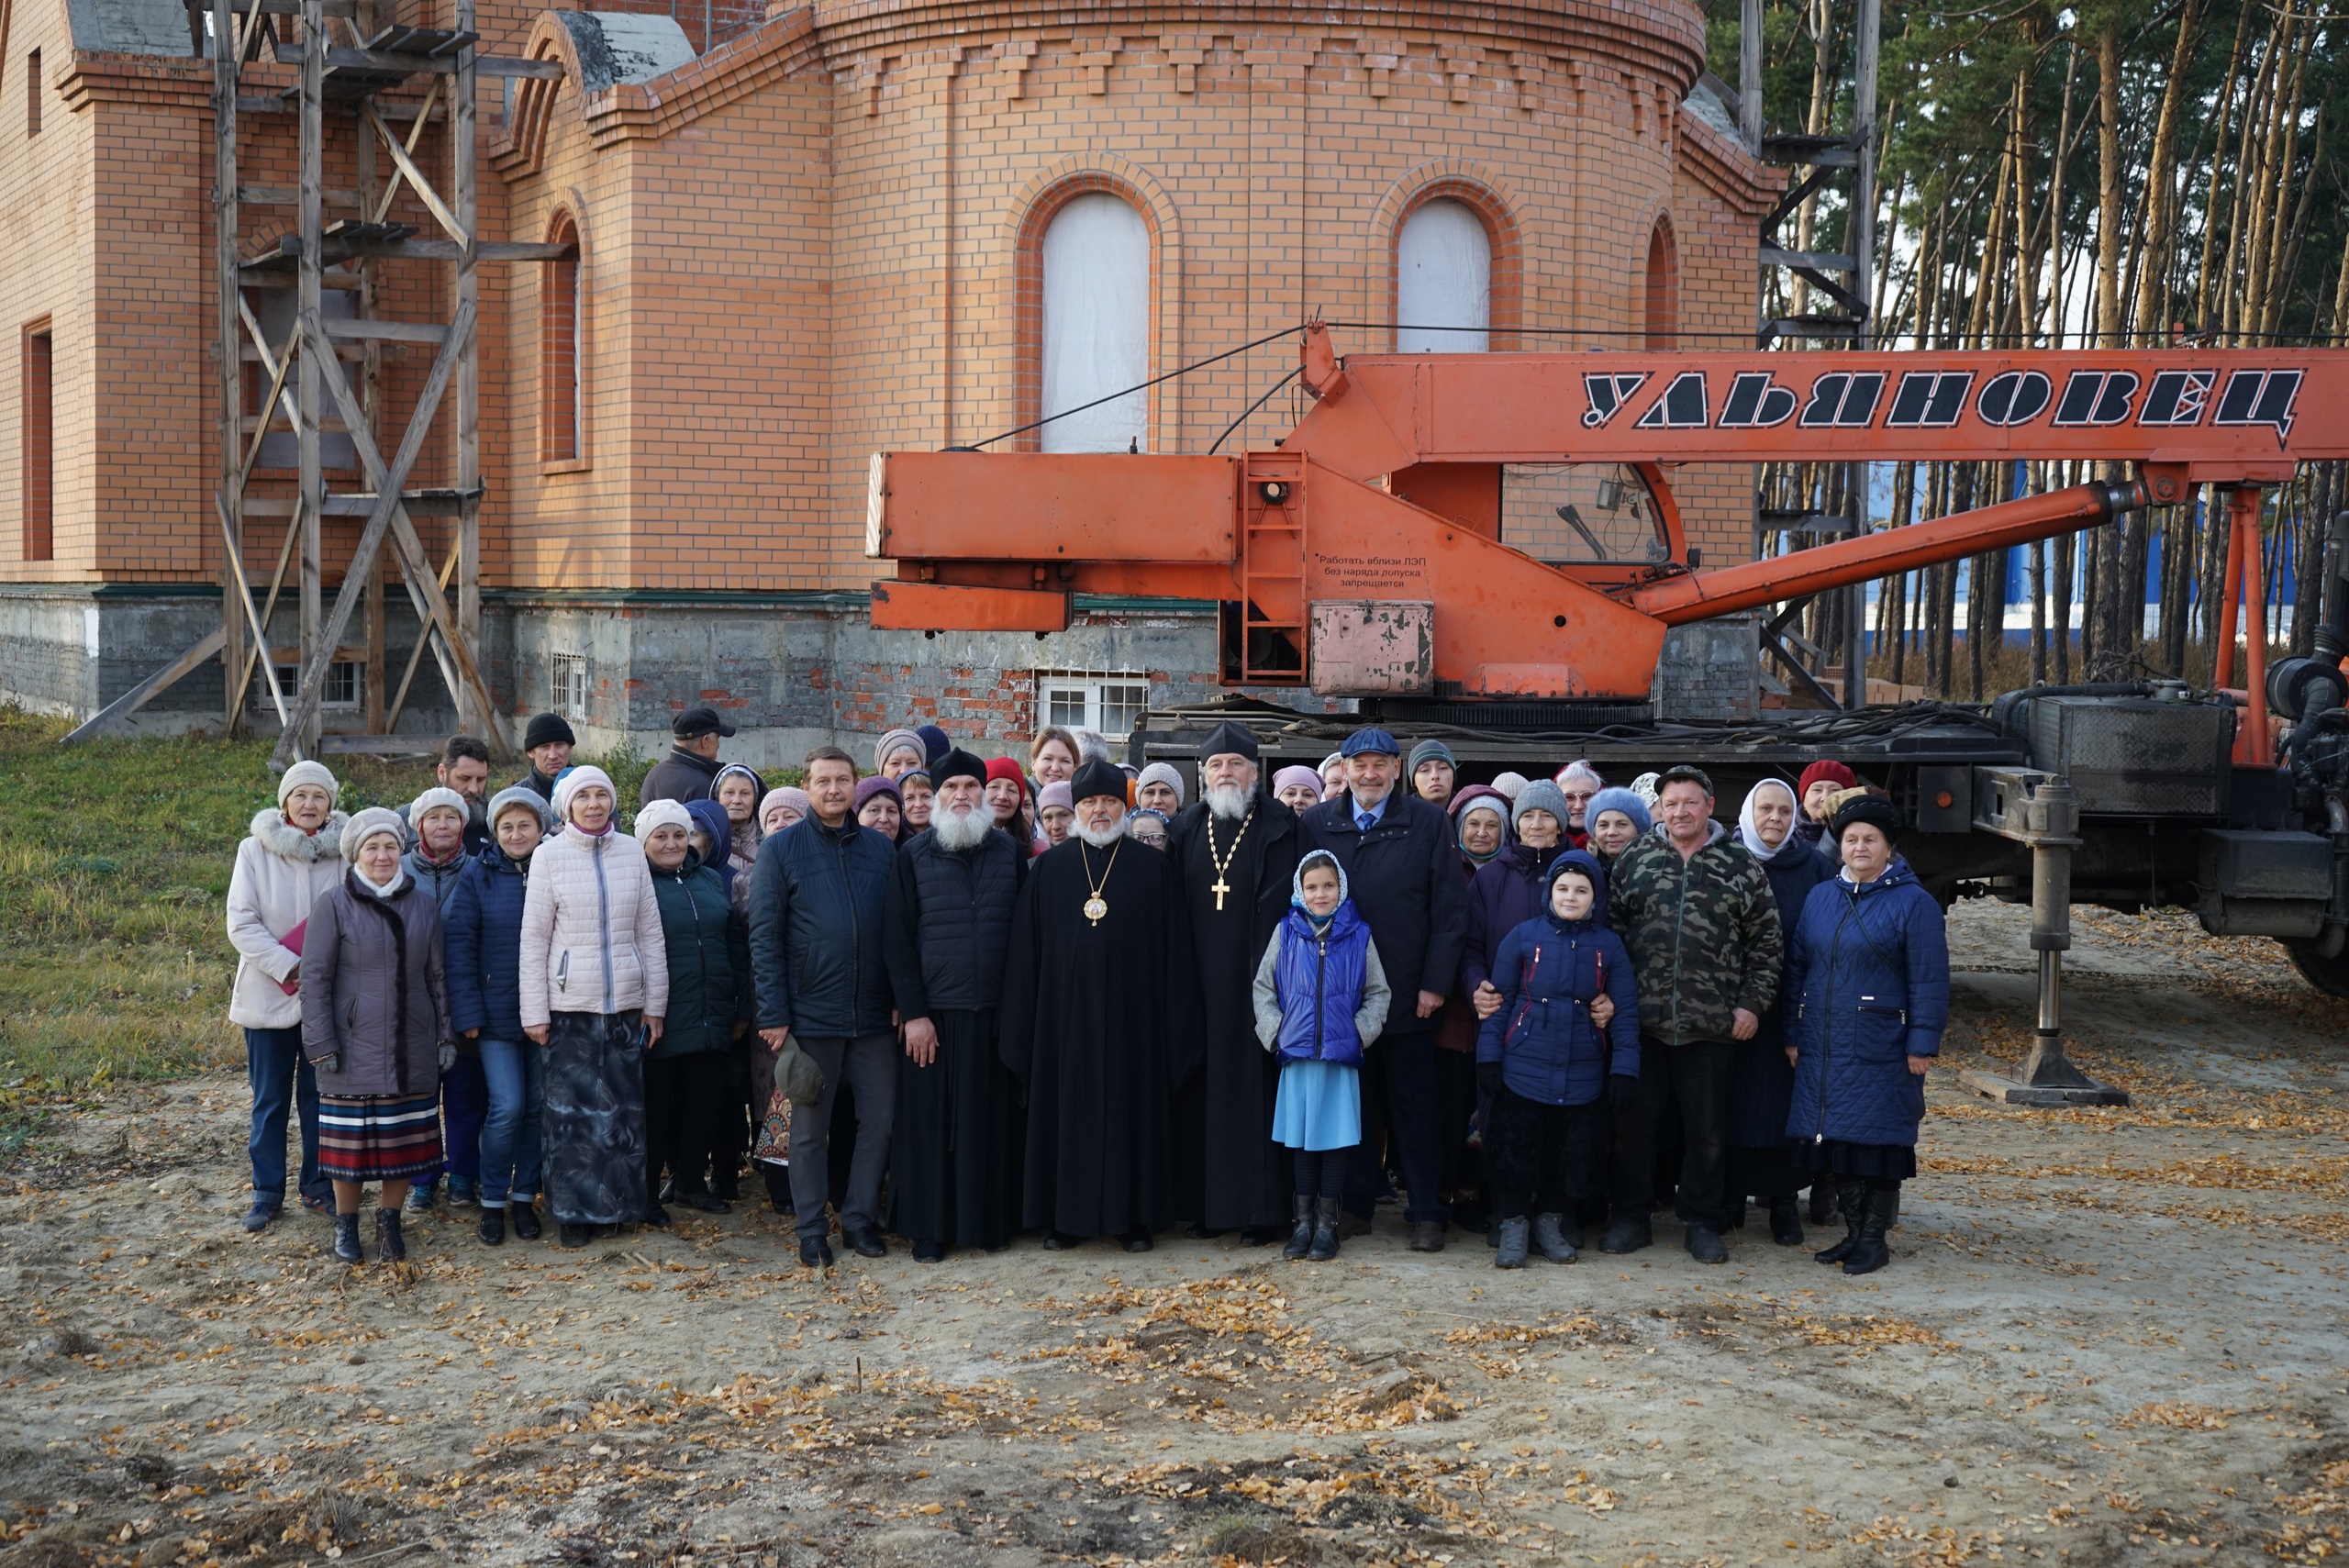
(1869, 972)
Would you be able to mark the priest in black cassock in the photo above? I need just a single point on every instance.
(1235, 848)
(1098, 1023)
(954, 1160)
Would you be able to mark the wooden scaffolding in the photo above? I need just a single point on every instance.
(288, 301)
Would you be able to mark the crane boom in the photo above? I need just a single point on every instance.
(1305, 544)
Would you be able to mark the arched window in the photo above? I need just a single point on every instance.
(1443, 280)
(1663, 287)
(560, 395)
(1097, 326)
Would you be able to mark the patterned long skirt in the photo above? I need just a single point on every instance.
(379, 1138)
(592, 1069)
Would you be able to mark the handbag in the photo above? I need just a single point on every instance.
(772, 1146)
(291, 942)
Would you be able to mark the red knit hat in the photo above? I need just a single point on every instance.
(1836, 772)
(1005, 768)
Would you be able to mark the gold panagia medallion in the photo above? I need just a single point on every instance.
(1095, 908)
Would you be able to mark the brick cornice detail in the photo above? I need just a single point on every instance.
(1723, 166)
(149, 81)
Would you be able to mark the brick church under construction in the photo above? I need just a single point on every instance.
(711, 261)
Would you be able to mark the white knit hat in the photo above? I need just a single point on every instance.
(365, 825)
(1163, 773)
(432, 800)
(575, 779)
(663, 814)
(307, 772)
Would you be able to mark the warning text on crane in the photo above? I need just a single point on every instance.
(1371, 577)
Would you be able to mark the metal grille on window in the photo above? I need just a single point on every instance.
(567, 674)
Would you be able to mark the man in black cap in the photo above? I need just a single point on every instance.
(1099, 1023)
(1235, 849)
(547, 744)
(1402, 868)
(691, 766)
(954, 1156)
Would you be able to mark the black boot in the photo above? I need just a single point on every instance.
(389, 1247)
(1869, 1253)
(1300, 1241)
(346, 1240)
(1786, 1221)
(523, 1218)
(1325, 1230)
(492, 1226)
(1852, 1195)
(1822, 1202)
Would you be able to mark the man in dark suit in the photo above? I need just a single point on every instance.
(1403, 871)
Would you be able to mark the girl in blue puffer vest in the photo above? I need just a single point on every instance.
(1555, 1074)
(1320, 997)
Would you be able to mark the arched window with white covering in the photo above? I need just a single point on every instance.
(1097, 326)
(1443, 280)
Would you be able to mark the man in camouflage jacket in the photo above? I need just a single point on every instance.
(1695, 908)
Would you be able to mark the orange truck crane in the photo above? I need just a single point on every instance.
(1368, 554)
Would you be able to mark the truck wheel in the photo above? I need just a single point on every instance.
(2330, 976)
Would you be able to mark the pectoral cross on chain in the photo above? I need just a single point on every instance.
(1222, 861)
(1219, 887)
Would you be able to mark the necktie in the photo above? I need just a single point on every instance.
(1366, 821)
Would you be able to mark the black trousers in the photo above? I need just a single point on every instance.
(1544, 1159)
(1696, 1077)
(1398, 1090)
(682, 1103)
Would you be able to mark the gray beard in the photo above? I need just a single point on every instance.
(1100, 837)
(962, 830)
(1231, 802)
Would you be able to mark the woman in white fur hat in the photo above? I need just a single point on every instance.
(595, 987)
(293, 855)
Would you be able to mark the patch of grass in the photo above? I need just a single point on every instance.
(115, 855)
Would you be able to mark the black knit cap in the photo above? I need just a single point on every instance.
(1227, 738)
(546, 729)
(958, 764)
(1097, 778)
(1874, 810)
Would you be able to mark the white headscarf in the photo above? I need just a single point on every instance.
(1748, 834)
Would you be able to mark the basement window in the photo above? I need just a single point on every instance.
(1108, 704)
(346, 680)
(567, 675)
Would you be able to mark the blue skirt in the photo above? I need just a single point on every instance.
(1319, 1107)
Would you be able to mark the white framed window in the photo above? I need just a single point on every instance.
(1443, 282)
(1097, 326)
(1108, 703)
(346, 685)
(567, 683)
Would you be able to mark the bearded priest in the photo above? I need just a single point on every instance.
(1098, 1023)
(1235, 849)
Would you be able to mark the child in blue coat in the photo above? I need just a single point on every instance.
(1555, 1076)
(1322, 997)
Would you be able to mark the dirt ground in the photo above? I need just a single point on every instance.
(2107, 1337)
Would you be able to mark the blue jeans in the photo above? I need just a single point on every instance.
(510, 1137)
(282, 1079)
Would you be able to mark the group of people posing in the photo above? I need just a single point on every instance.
(958, 998)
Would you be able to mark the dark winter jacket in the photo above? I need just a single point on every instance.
(1703, 933)
(1549, 969)
(1506, 890)
(440, 881)
(374, 993)
(537, 783)
(484, 923)
(709, 958)
(1763, 1082)
(1404, 877)
(949, 927)
(681, 776)
(819, 900)
(1869, 978)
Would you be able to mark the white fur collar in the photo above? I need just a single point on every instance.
(282, 839)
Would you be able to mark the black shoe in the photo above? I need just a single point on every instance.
(524, 1217)
(867, 1241)
(346, 1238)
(1822, 1202)
(1627, 1235)
(1325, 1230)
(1259, 1235)
(1786, 1221)
(1514, 1235)
(1705, 1245)
(1351, 1224)
(321, 1204)
(1869, 1253)
(728, 1187)
(656, 1216)
(572, 1235)
(1137, 1241)
(1427, 1236)
(492, 1226)
(708, 1203)
(814, 1253)
(1300, 1239)
(929, 1251)
(1554, 1241)
(1061, 1241)
(390, 1248)
(1852, 1195)
(263, 1211)
(1199, 1231)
